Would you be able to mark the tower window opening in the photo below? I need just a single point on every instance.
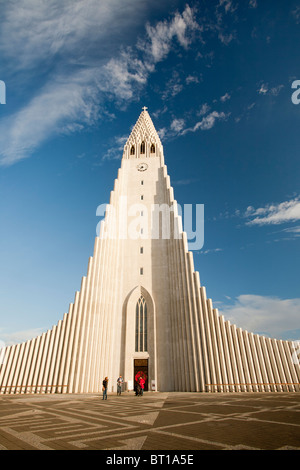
(142, 197)
(132, 150)
(152, 148)
(143, 147)
(141, 249)
(141, 325)
(142, 182)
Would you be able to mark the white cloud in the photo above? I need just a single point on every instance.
(73, 96)
(116, 149)
(161, 36)
(212, 250)
(57, 108)
(276, 90)
(177, 125)
(20, 336)
(42, 29)
(293, 230)
(204, 109)
(253, 3)
(287, 211)
(228, 6)
(271, 316)
(263, 89)
(191, 79)
(225, 97)
(173, 86)
(226, 38)
(296, 14)
(207, 122)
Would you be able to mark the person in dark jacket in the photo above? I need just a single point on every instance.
(104, 388)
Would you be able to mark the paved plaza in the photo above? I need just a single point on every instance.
(156, 421)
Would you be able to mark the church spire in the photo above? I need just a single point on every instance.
(144, 141)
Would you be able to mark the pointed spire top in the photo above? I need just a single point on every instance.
(143, 140)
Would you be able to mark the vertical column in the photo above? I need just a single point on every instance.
(213, 378)
(280, 370)
(48, 360)
(249, 357)
(55, 359)
(31, 344)
(261, 363)
(271, 379)
(215, 352)
(237, 355)
(285, 365)
(218, 321)
(228, 355)
(278, 386)
(12, 369)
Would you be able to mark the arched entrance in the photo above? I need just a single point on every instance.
(139, 338)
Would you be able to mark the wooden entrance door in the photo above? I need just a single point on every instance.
(141, 368)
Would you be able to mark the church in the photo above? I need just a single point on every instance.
(141, 309)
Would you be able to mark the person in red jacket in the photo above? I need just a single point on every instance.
(142, 384)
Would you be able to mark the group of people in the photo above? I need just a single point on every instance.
(105, 386)
(139, 386)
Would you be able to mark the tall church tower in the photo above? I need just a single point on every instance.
(141, 308)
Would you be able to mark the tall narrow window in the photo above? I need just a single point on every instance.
(132, 150)
(141, 336)
(143, 147)
(152, 148)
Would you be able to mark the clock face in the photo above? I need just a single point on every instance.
(142, 167)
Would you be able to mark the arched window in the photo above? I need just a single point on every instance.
(141, 325)
(143, 147)
(152, 148)
(132, 150)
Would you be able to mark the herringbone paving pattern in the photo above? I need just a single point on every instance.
(156, 421)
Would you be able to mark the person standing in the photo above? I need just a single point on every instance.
(119, 385)
(142, 384)
(104, 388)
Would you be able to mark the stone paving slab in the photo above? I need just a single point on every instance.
(157, 421)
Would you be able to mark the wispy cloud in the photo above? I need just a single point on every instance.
(296, 14)
(271, 316)
(207, 122)
(177, 125)
(265, 89)
(20, 336)
(212, 250)
(225, 97)
(287, 211)
(74, 94)
(61, 106)
(116, 149)
(160, 37)
(253, 3)
(67, 31)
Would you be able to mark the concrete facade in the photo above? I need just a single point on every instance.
(141, 306)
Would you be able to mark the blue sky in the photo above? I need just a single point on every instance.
(217, 78)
